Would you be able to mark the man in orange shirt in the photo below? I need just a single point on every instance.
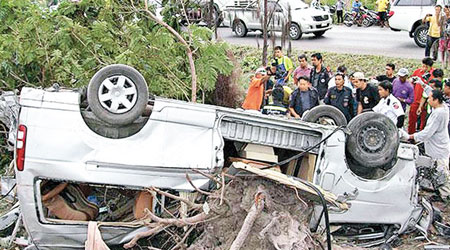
(424, 73)
(255, 92)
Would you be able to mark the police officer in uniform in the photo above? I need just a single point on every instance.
(341, 97)
(389, 105)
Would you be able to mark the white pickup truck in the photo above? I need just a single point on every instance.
(116, 139)
(245, 16)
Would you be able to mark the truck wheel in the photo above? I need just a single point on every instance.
(325, 114)
(319, 33)
(373, 142)
(295, 32)
(420, 35)
(117, 94)
(240, 29)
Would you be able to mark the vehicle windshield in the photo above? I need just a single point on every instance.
(295, 4)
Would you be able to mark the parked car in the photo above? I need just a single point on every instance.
(407, 16)
(116, 138)
(246, 16)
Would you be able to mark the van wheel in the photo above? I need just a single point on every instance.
(373, 142)
(240, 29)
(326, 115)
(117, 94)
(420, 35)
(295, 32)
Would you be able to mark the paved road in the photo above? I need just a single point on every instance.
(342, 39)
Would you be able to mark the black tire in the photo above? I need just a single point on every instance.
(420, 35)
(319, 33)
(348, 20)
(240, 29)
(126, 89)
(318, 113)
(373, 142)
(295, 32)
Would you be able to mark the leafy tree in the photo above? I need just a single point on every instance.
(68, 44)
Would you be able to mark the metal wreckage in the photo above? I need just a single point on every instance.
(76, 150)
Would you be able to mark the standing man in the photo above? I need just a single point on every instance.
(303, 98)
(319, 75)
(389, 76)
(255, 93)
(340, 11)
(403, 89)
(341, 97)
(434, 32)
(381, 8)
(436, 139)
(284, 66)
(366, 94)
(424, 74)
(389, 105)
(303, 70)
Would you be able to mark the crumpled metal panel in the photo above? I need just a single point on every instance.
(392, 199)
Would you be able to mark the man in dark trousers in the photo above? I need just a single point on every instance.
(366, 94)
(319, 75)
(341, 97)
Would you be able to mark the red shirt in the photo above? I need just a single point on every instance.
(418, 90)
(255, 94)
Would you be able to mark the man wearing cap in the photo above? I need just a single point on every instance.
(402, 88)
(255, 93)
(366, 94)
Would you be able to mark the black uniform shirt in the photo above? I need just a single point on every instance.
(342, 100)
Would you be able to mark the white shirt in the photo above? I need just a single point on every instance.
(390, 107)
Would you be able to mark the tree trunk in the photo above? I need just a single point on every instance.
(265, 45)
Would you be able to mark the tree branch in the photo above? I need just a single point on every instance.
(186, 46)
(255, 210)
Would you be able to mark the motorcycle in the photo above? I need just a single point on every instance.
(353, 18)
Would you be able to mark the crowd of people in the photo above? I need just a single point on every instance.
(439, 30)
(422, 99)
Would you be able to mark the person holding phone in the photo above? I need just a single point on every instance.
(434, 32)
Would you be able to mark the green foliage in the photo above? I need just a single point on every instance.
(68, 45)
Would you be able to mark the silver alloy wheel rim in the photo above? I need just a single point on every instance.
(293, 31)
(239, 29)
(117, 94)
(423, 36)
